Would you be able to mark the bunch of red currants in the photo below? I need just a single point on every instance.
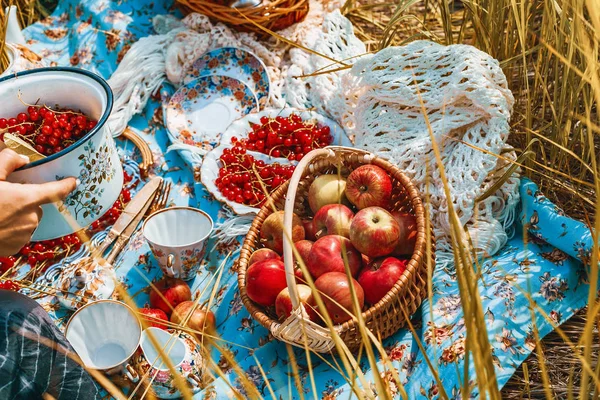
(48, 131)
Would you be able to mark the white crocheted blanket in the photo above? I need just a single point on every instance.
(392, 103)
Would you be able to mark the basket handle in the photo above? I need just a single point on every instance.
(288, 254)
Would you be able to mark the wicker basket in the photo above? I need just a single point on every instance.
(389, 314)
(273, 15)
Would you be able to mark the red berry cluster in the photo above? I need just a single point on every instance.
(289, 137)
(9, 285)
(50, 249)
(62, 247)
(7, 263)
(115, 211)
(48, 131)
(244, 179)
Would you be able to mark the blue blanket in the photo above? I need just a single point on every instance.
(547, 267)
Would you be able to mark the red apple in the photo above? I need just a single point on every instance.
(374, 232)
(263, 254)
(310, 230)
(335, 293)
(264, 281)
(200, 319)
(169, 293)
(333, 219)
(326, 189)
(326, 255)
(271, 232)
(369, 185)
(152, 316)
(283, 303)
(379, 276)
(408, 233)
(303, 247)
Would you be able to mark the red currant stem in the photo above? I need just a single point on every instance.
(6, 130)
(48, 107)
(262, 184)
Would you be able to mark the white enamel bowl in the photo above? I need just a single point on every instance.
(105, 334)
(93, 159)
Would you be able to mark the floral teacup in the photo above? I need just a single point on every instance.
(184, 353)
(177, 237)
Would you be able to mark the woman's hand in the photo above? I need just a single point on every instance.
(20, 211)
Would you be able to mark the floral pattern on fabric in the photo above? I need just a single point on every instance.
(549, 264)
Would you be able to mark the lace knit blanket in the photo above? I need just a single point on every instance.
(396, 103)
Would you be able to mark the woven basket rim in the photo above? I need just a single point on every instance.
(399, 289)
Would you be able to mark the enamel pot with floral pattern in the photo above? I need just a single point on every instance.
(93, 159)
(185, 354)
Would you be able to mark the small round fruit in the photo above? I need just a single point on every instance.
(271, 232)
(283, 303)
(310, 229)
(379, 276)
(327, 255)
(264, 281)
(369, 185)
(326, 189)
(263, 254)
(200, 320)
(337, 297)
(408, 233)
(374, 232)
(169, 293)
(152, 316)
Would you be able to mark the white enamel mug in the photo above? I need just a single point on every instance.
(93, 158)
(105, 334)
(177, 237)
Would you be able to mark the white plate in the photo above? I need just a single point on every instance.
(200, 111)
(241, 128)
(236, 63)
(209, 172)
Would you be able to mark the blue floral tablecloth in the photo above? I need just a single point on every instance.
(94, 34)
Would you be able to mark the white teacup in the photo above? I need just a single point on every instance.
(177, 237)
(105, 334)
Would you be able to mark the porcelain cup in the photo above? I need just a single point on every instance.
(105, 334)
(93, 159)
(177, 237)
(185, 354)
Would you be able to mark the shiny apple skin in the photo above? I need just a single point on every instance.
(333, 219)
(379, 276)
(264, 281)
(374, 232)
(152, 316)
(368, 186)
(326, 189)
(173, 290)
(271, 231)
(326, 256)
(408, 233)
(263, 254)
(335, 288)
(283, 303)
(309, 229)
(201, 320)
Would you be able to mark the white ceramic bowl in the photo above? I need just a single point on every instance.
(93, 159)
(105, 334)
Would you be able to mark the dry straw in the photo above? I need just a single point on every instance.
(549, 50)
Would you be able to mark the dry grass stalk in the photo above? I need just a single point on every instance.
(549, 52)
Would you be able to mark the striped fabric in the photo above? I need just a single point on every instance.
(35, 356)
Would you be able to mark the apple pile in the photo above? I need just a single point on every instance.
(353, 229)
(171, 300)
